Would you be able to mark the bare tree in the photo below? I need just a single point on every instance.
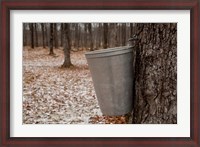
(55, 35)
(123, 34)
(43, 39)
(91, 36)
(67, 46)
(36, 35)
(85, 35)
(51, 39)
(32, 35)
(105, 35)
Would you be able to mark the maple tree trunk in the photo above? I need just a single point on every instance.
(55, 35)
(67, 46)
(77, 36)
(51, 39)
(105, 35)
(91, 36)
(32, 35)
(43, 39)
(85, 35)
(61, 34)
(24, 35)
(156, 74)
(123, 34)
(36, 35)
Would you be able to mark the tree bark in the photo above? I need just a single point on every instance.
(55, 35)
(156, 74)
(123, 34)
(51, 39)
(85, 35)
(61, 35)
(77, 36)
(91, 36)
(24, 34)
(105, 35)
(43, 36)
(36, 35)
(67, 46)
(32, 35)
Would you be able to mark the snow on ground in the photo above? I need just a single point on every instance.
(54, 95)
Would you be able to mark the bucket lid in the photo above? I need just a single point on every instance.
(109, 52)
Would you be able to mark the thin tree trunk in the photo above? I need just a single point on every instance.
(32, 35)
(24, 35)
(85, 35)
(46, 34)
(99, 36)
(55, 36)
(77, 36)
(123, 34)
(131, 29)
(61, 35)
(156, 74)
(36, 35)
(43, 39)
(105, 35)
(51, 39)
(67, 46)
(91, 36)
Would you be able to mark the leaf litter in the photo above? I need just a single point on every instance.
(54, 95)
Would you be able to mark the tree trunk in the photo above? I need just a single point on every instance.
(131, 29)
(32, 35)
(61, 35)
(36, 35)
(85, 35)
(123, 34)
(46, 34)
(51, 39)
(99, 40)
(156, 74)
(105, 35)
(77, 36)
(91, 36)
(67, 46)
(55, 35)
(43, 39)
(24, 35)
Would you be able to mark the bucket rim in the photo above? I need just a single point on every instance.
(121, 49)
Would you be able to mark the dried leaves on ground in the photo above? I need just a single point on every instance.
(55, 95)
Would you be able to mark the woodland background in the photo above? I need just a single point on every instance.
(57, 85)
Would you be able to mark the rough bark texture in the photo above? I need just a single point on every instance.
(55, 35)
(105, 35)
(43, 39)
(51, 39)
(36, 35)
(61, 35)
(91, 36)
(32, 35)
(124, 34)
(156, 74)
(67, 46)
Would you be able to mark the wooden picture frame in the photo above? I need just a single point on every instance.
(7, 6)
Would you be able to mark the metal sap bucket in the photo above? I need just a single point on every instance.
(112, 75)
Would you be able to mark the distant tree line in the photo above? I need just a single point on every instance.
(89, 36)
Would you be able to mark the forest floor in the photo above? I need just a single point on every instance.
(55, 95)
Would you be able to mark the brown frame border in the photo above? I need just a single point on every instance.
(7, 5)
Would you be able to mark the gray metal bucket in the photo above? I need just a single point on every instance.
(112, 75)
